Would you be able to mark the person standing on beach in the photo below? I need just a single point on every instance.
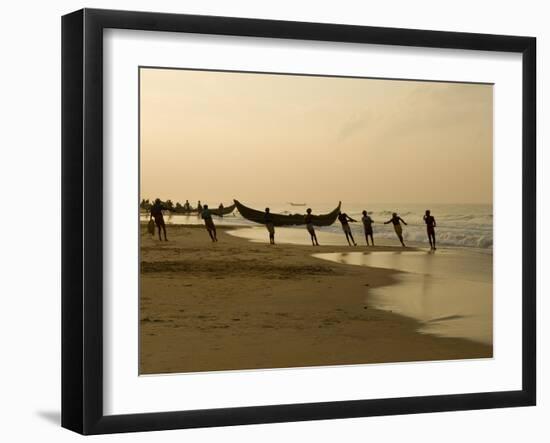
(156, 214)
(310, 228)
(199, 208)
(367, 224)
(268, 221)
(209, 223)
(430, 226)
(344, 219)
(186, 206)
(395, 220)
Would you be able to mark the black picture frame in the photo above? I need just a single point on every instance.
(82, 219)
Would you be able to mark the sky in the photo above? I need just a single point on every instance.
(266, 138)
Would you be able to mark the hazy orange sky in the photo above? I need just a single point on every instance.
(216, 136)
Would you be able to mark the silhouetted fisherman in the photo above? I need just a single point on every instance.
(209, 223)
(156, 214)
(367, 225)
(270, 226)
(395, 220)
(344, 219)
(310, 228)
(430, 227)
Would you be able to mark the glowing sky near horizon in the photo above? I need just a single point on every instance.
(216, 136)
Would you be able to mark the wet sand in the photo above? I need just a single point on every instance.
(236, 304)
(449, 291)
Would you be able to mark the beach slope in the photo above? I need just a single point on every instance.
(236, 304)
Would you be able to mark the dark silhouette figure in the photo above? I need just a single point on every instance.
(395, 220)
(310, 228)
(430, 227)
(268, 221)
(367, 225)
(186, 206)
(344, 219)
(156, 214)
(151, 228)
(209, 223)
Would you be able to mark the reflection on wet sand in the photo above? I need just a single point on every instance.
(449, 292)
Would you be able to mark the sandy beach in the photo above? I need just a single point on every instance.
(237, 304)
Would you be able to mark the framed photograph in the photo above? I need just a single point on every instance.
(269, 221)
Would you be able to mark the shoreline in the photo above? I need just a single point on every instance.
(387, 236)
(239, 304)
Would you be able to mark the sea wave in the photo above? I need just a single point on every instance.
(445, 235)
(457, 225)
(467, 226)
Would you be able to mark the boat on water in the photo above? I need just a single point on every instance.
(214, 211)
(297, 204)
(287, 220)
(226, 210)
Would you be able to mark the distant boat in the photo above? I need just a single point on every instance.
(297, 204)
(287, 220)
(223, 211)
(214, 211)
